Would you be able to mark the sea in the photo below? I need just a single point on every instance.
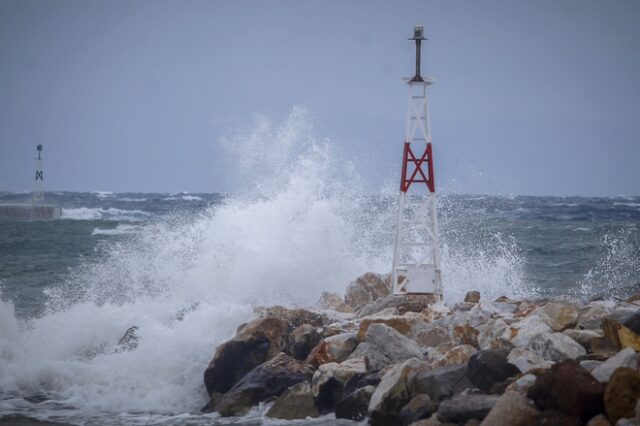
(187, 269)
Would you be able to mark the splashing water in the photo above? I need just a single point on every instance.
(187, 283)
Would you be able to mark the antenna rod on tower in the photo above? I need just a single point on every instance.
(418, 36)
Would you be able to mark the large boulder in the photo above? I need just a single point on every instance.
(555, 347)
(355, 405)
(558, 315)
(521, 332)
(442, 382)
(526, 360)
(457, 355)
(513, 409)
(401, 304)
(256, 342)
(366, 289)
(625, 358)
(384, 346)
(334, 302)
(329, 379)
(394, 392)
(268, 380)
(293, 318)
(472, 297)
(568, 388)
(620, 335)
(464, 407)
(302, 340)
(590, 317)
(333, 349)
(420, 407)
(490, 367)
(585, 337)
(295, 403)
(622, 394)
(401, 323)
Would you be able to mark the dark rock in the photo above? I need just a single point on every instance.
(366, 289)
(489, 367)
(257, 342)
(420, 407)
(211, 405)
(354, 405)
(328, 381)
(442, 382)
(302, 340)
(570, 388)
(633, 323)
(472, 297)
(361, 380)
(622, 394)
(619, 335)
(463, 407)
(557, 418)
(266, 381)
(295, 403)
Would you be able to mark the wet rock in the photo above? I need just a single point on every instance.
(590, 317)
(268, 380)
(333, 349)
(558, 315)
(599, 420)
(302, 340)
(622, 394)
(490, 367)
(394, 391)
(584, 337)
(555, 346)
(355, 405)
(295, 403)
(619, 335)
(568, 388)
(490, 332)
(625, 358)
(257, 342)
(526, 360)
(462, 408)
(385, 346)
(466, 335)
(420, 407)
(521, 332)
(513, 409)
(457, 355)
(329, 380)
(500, 306)
(333, 301)
(472, 297)
(401, 323)
(399, 304)
(293, 318)
(366, 289)
(442, 382)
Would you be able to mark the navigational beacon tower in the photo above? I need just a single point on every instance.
(416, 255)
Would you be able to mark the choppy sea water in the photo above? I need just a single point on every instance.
(187, 269)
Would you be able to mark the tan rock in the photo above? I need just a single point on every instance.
(457, 355)
(366, 289)
(622, 394)
(620, 336)
(295, 403)
(584, 337)
(472, 297)
(333, 301)
(333, 349)
(513, 409)
(401, 323)
(558, 315)
(338, 372)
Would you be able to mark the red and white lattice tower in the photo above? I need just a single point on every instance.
(416, 257)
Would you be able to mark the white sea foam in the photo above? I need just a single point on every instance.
(102, 194)
(118, 230)
(185, 198)
(188, 283)
(86, 213)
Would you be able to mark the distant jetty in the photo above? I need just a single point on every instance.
(30, 211)
(36, 210)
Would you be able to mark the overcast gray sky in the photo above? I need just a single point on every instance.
(531, 97)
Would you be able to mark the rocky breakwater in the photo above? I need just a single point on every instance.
(405, 360)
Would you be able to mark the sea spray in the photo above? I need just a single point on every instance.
(295, 230)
